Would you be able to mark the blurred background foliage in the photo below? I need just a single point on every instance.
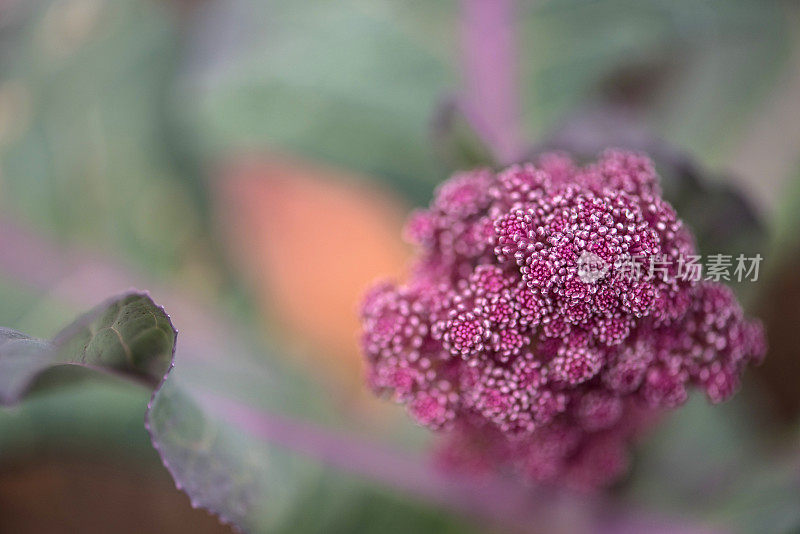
(260, 156)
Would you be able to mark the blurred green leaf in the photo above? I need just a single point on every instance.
(697, 69)
(763, 500)
(359, 91)
(456, 142)
(711, 462)
(694, 455)
(786, 219)
(87, 150)
(101, 417)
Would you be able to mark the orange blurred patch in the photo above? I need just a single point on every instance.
(311, 240)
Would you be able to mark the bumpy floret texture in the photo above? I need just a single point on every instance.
(545, 323)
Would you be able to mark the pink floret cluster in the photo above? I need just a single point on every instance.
(525, 336)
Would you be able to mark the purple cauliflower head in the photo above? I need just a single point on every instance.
(545, 323)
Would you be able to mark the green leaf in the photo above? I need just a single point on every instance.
(244, 478)
(128, 335)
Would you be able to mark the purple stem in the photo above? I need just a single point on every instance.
(498, 500)
(491, 98)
